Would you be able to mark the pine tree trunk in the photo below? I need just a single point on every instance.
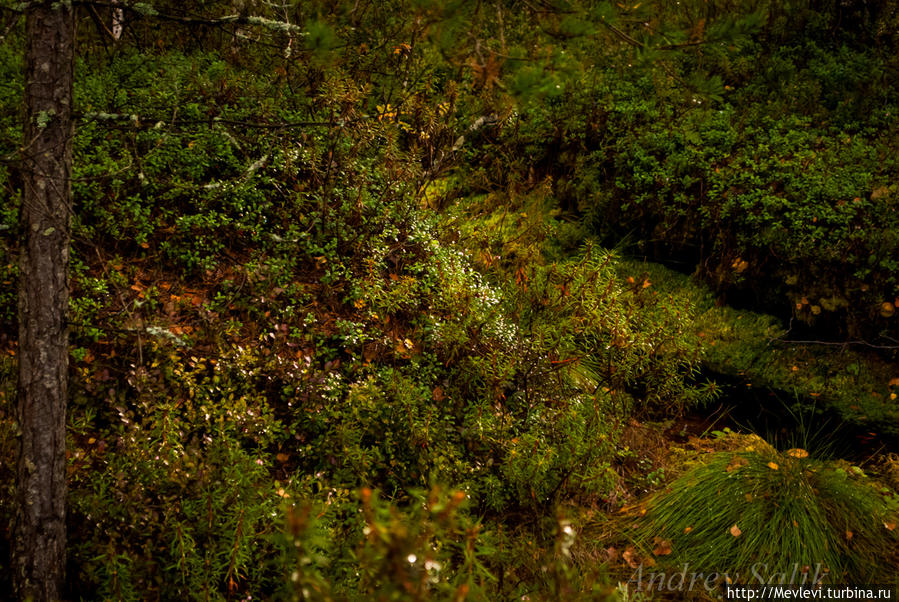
(39, 532)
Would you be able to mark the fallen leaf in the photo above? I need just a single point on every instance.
(630, 557)
(890, 525)
(663, 546)
(687, 529)
(735, 531)
(737, 462)
(797, 453)
(848, 534)
(773, 465)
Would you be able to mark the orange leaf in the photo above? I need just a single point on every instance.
(797, 453)
(735, 531)
(849, 534)
(890, 525)
(630, 557)
(737, 462)
(687, 529)
(663, 547)
(773, 465)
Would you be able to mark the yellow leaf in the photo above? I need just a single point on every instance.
(797, 453)
(735, 531)
(773, 465)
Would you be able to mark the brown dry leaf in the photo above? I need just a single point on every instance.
(773, 465)
(630, 557)
(737, 462)
(612, 553)
(735, 531)
(663, 546)
(797, 453)
(894, 382)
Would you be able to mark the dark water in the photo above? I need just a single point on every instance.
(785, 422)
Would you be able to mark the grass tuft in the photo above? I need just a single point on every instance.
(768, 516)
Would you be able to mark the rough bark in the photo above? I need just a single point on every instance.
(39, 532)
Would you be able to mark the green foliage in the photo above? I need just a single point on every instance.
(337, 333)
(855, 384)
(760, 513)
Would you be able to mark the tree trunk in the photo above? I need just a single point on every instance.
(39, 532)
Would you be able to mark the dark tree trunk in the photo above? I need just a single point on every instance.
(39, 532)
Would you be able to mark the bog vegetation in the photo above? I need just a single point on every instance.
(415, 300)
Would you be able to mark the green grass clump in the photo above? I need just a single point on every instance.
(764, 516)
